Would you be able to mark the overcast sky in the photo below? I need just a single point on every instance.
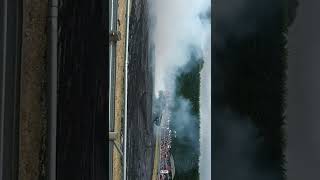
(303, 148)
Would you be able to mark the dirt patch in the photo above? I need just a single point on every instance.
(156, 160)
(119, 90)
(33, 120)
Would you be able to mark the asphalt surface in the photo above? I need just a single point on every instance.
(141, 141)
(83, 85)
(10, 51)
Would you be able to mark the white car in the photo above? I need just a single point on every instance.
(164, 171)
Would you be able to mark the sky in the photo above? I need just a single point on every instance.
(303, 129)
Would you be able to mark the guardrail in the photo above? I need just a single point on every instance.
(113, 5)
(126, 91)
(112, 61)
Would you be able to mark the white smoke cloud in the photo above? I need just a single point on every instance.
(175, 28)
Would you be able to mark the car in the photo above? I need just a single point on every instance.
(164, 171)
